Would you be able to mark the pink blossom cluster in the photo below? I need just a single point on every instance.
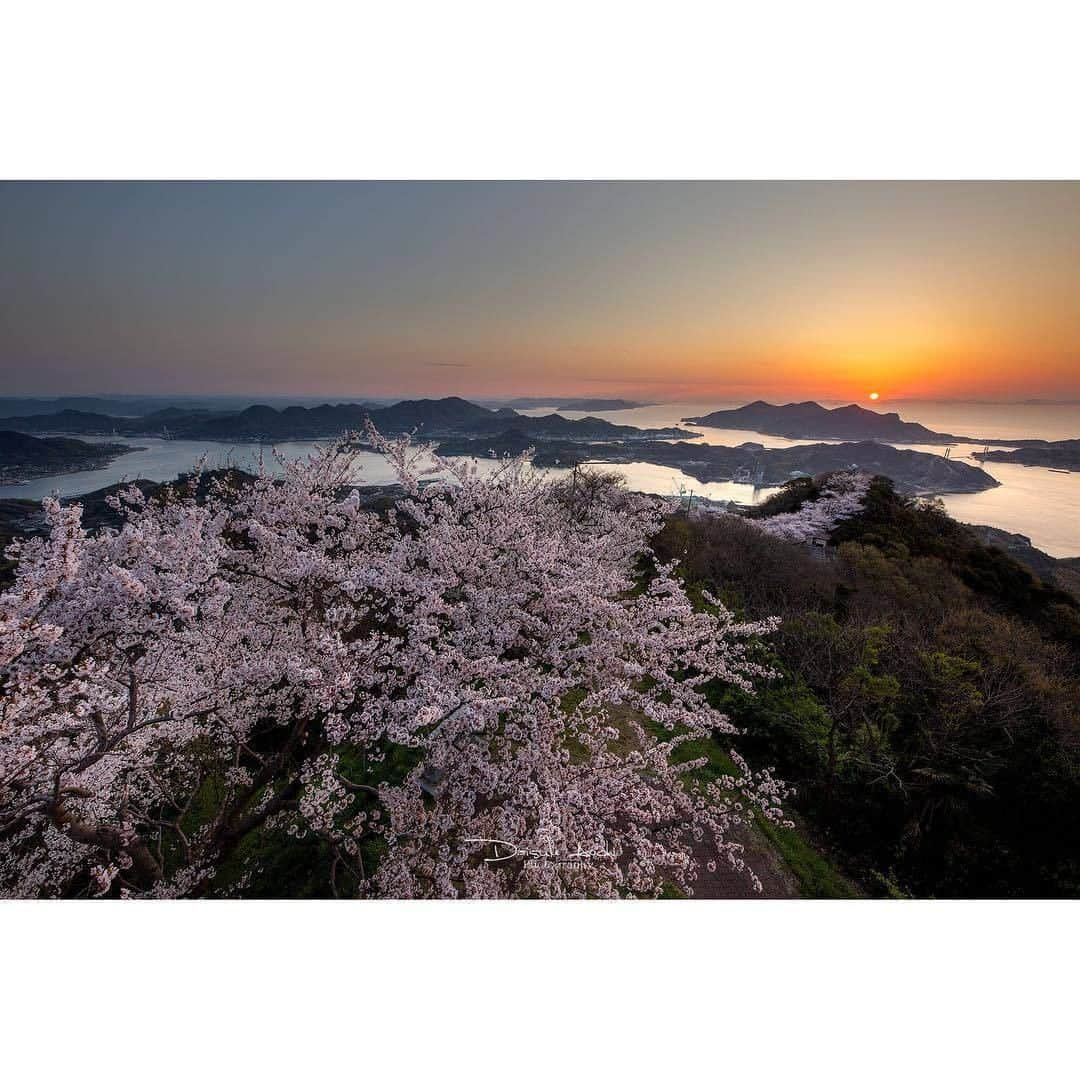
(842, 496)
(243, 656)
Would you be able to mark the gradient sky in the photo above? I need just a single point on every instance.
(651, 290)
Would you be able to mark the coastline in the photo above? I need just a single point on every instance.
(26, 474)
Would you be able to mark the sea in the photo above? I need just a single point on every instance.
(1041, 504)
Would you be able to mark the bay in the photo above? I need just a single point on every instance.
(1039, 503)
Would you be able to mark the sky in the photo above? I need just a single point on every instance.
(651, 290)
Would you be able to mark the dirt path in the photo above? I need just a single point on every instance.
(727, 883)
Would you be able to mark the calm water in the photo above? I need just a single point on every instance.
(1036, 502)
(979, 421)
(1039, 503)
(164, 460)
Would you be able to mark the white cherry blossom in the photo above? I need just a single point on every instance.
(246, 655)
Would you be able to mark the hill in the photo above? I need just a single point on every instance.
(927, 713)
(23, 457)
(809, 420)
(1061, 573)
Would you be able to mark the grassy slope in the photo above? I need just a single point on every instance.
(818, 877)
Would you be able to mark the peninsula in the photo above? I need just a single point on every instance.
(24, 457)
(1063, 455)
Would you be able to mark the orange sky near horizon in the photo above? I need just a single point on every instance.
(664, 291)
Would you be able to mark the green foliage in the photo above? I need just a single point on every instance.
(272, 863)
(7, 566)
(901, 527)
(818, 878)
(927, 705)
(789, 498)
(281, 857)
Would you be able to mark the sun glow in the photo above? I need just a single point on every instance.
(874, 395)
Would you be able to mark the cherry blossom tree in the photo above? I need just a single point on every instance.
(246, 656)
(842, 496)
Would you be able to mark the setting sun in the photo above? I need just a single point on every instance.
(874, 395)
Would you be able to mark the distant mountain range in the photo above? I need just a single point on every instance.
(809, 420)
(17, 406)
(460, 427)
(862, 439)
(429, 419)
(559, 427)
(573, 404)
(144, 404)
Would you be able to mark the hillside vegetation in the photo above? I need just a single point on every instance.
(928, 713)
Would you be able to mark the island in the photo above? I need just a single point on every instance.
(463, 428)
(914, 472)
(1062, 456)
(25, 457)
(809, 420)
